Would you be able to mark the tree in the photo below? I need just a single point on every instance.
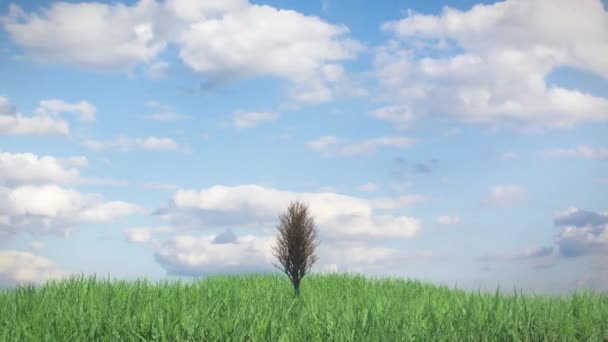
(296, 243)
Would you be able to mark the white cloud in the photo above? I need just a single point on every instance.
(252, 119)
(446, 219)
(157, 70)
(163, 112)
(582, 151)
(28, 168)
(338, 216)
(327, 145)
(125, 143)
(84, 109)
(510, 48)
(107, 36)
(322, 143)
(13, 123)
(505, 194)
(245, 43)
(400, 115)
(583, 232)
(194, 10)
(368, 187)
(138, 235)
(227, 40)
(52, 209)
(17, 268)
(198, 255)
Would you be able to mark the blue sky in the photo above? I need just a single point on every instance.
(458, 142)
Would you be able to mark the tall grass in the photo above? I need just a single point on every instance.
(254, 307)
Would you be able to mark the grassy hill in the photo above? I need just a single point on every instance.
(332, 307)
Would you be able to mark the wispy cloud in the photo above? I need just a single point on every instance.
(125, 143)
(582, 151)
(331, 146)
(252, 119)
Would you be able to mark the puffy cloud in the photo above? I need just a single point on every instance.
(108, 36)
(583, 232)
(41, 209)
(28, 168)
(193, 256)
(21, 168)
(505, 194)
(194, 10)
(338, 216)
(17, 268)
(498, 58)
(84, 109)
(446, 219)
(329, 145)
(400, 115)
(252, 119)
(582, 151)
(202, 255)
(246, 43)
(125, 143)
(13, 123)
(224, 41)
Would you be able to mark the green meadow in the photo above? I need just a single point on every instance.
(262, 307)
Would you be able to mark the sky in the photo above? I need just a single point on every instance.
(462, 143)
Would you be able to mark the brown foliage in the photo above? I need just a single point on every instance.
(296, 243)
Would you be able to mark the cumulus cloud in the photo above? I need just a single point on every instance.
(338, 216)
(231, 40)
(106, 36)
(125, 143)
(189, 255)
(246, 43)
(14, 123)
(582, 151)
(494, 64)
(50, 209)
(252, 119)
(331, 146)
(582, 233)
(401, 116)
(447, 220)
(505, 194)
(19, 268)
(28, 168)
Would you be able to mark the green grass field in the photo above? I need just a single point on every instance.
(331, 307)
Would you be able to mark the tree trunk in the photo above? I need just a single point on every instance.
(296, 287)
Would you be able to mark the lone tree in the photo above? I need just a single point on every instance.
(296, 243)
